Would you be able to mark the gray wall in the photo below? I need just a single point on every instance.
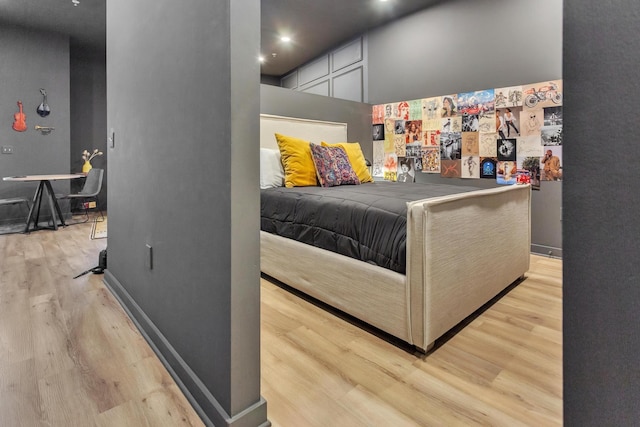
(285, 102)
(601, 277)
(341, 73)
(30, 61)
(89, 112)
(183, 101)
(460, 46)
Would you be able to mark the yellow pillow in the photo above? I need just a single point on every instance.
(299, 169)
(356, 158)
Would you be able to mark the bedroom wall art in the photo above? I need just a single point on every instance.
(509, 134)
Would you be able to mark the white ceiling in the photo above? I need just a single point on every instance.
(315, 26)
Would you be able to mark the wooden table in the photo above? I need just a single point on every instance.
(43, 186)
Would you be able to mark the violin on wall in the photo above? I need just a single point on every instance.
(19, 119)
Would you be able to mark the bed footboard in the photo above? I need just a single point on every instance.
(463, 250)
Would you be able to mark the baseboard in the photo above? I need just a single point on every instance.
(546, 250)
(204, 403)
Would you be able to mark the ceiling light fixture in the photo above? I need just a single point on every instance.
(261, 59)
(75, 2)
(285, 39)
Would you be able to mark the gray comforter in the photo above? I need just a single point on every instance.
(366, 222)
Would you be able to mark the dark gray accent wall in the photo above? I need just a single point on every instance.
(601, 275)
(32, 60)
(183, 102)
(459, 46)
(286, 102)
(89, 112)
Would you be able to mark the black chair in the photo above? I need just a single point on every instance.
(89, 193)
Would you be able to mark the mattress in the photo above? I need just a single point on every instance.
(367, 222)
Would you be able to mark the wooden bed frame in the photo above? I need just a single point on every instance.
(462, 250)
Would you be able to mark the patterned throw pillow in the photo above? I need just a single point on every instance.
(356, 158)
(332, 166)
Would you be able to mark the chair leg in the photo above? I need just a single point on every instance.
(99, 211)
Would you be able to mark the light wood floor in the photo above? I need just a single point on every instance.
(69, 356)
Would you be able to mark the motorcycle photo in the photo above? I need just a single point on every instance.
(549, 92)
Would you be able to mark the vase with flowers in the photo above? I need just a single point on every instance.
(87, 157)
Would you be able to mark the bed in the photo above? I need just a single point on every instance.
(449, 272)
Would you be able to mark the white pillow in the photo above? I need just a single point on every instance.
(271, 170)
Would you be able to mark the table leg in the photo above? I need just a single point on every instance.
(53, 204)
(37, 198)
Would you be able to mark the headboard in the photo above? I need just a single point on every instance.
(312, 130)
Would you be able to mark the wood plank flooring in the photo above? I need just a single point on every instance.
(69, 356)
(504, 368)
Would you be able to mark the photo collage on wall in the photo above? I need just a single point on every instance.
(509, 134)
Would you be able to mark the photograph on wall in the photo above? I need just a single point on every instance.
(378, 132)
(415, 109)
(551, 164)
(488, 167)
(470, 167)
(378, 159)
(450, 168)
(551, 135)
(449, 106)
(390, 167)
(406, 170)
(552, 116)
(487, 121)
(447, 125)
(543, 94)
(431, 160)
(506, 172)
(413, 150)
(432, 138)
(413, 131)
(470, 123)
(488, 147)
(399, 145)
(509, 119)
(417, 163)
(470, 144)
(377, 114)
(403, 110)
(431, 113)
(531, 121)
(451, 124)
(399, 127)
(475, 103)
(523, 176)
(389, 135)
(532, 165)
(508, 97)
(528, 146)
(506, 149)
(450, 146)
(390, 111)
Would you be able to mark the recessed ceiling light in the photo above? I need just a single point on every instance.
(261, 59)
(285, 39)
